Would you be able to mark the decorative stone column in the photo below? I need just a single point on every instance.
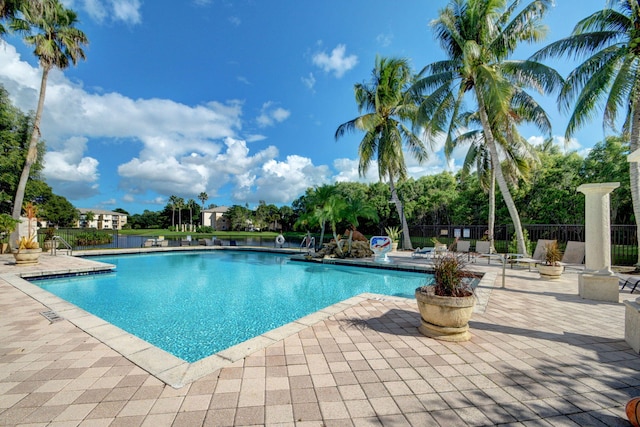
(598, 281)
(632, 308)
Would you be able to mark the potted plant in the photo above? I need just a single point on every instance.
(29, 249)
(447, 303)
(551, 269)
(438, 246)
(394, 234)
(49, 243)
(7, 226)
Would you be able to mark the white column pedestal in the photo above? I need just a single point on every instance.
(632, 324)
(598, 287)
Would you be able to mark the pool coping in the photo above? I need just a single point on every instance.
(177, 372)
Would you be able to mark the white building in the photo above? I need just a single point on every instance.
(215, 219)
(102, 220)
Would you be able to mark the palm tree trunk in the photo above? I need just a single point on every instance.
(634, 170)
(492, 210)
(406, 238)
(502, 183)
(32, 153)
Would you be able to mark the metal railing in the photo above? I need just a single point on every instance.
(54, 247)
(624, 238)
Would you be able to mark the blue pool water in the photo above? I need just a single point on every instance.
(193, 305)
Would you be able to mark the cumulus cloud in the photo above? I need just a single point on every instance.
(309, 81)
(384, 40)
(127, 11)
(270, 115)
(281, 182)
(336, 63)
(170, 148)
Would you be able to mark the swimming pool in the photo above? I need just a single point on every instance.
(195, 304)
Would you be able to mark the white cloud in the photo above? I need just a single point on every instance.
(270, 115)
(384, 40)
(281, 182)
(309, 82)
(336, 63)
(127, 11)
(235, 20)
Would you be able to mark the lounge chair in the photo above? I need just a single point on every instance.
(483, 250)
(464, 246)
(573, 256)
(538, 253)
(426, 252)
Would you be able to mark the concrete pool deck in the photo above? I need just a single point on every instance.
(539, 355)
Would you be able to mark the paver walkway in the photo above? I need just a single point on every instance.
(540, 355)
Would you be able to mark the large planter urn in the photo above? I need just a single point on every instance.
(27, 256)
(4, 248)
(444, 318)
(50, 244)
(394, 246)
(550, 272)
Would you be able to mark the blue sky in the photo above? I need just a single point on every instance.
(239, 99)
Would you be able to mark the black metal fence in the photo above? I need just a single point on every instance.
(624, 238)
(624, 243)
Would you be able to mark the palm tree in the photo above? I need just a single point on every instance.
(173, 200)
(388, 104)
(89, 217)
(518, 154)
(179, 205)
(203, 197)
(58, 43)
(191, 205)
(478, 37)
(609, 78)
(357, 208)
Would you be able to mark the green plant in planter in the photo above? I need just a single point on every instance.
(49, 232)
(552, 255)
(450, 276)
(7, 226)
(446, 304)
(393, 233)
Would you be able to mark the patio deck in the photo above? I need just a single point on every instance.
(540, 355)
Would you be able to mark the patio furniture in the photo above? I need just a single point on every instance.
(573, 256)
(538, 253)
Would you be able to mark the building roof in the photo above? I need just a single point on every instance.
(98, 212)
(218, 209)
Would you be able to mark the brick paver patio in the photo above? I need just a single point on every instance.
(540, 355)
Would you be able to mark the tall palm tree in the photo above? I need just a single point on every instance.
(478, 36)
(57, 44)
(609, 77)
(179, 205)
(389, 105)
(518, 155)
(173, 201)
(203, 197)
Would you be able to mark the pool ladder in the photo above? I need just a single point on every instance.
(308, 244)
(67, 246)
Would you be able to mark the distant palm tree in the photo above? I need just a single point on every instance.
(179, 205)
(478, 36)
(608, 78)
(203, 197)
(57, 44)
(173, 201)
(389, 105)
(89, 216)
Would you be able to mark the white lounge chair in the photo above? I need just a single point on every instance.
(538, 253)
(573, 256)
(426, 252)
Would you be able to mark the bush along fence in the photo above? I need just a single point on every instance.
(624, 238)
